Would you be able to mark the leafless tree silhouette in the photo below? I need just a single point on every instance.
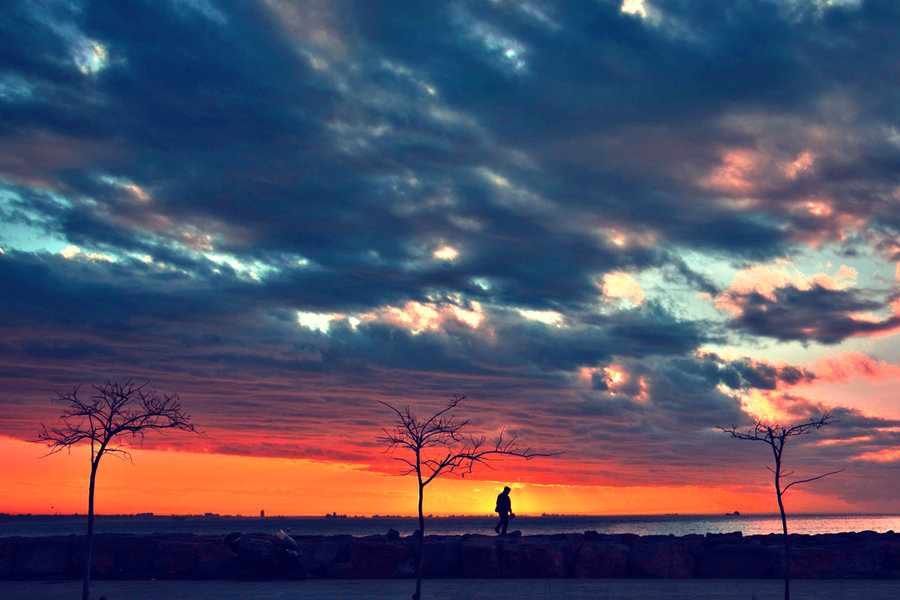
(113, 412)
(439, 445)
(776, 436)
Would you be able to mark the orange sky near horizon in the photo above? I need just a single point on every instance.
(168, 482)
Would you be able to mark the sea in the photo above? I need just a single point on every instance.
(670, 524)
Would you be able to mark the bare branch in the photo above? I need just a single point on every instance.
(113, 412)
(785, 488)
(442, 430)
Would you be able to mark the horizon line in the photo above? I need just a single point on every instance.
(447, 516)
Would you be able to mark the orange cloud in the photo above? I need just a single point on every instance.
(429, 316)
(766, 279)
(772, 406)
(615, 375)
(881, 456)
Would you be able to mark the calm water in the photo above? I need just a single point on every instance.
(39, 525)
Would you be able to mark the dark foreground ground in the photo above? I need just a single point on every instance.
(592, 556)
(460, 589)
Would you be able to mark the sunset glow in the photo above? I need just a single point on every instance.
(186, 483)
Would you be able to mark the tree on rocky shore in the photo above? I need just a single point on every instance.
(439, 445)
(776, 436)
(113, 412)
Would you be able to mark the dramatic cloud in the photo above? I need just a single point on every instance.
(613, 225)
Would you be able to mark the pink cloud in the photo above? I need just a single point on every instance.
(854, 365)
(766, 279)
(738, 173)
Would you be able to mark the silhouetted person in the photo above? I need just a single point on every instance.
(504, 509)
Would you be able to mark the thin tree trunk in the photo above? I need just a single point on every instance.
(89, 540)
(787, 547)
(420, 546)
(787, 550)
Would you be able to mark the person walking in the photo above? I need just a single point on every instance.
(504, 509)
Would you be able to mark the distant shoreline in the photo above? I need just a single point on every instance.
(211, 524)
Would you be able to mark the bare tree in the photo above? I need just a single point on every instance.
(438, 445)
(776, 436)
(113, 412)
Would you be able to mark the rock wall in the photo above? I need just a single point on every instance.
(590, 555)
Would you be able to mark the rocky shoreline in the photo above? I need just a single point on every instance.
(863, 555)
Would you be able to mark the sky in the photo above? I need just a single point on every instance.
(614, 227)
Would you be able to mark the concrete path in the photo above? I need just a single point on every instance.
(460, 589)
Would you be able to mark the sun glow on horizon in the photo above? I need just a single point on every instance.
(169, 482)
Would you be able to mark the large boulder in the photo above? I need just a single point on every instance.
(136, 555)
(47, 557)
(540, 558)
(376, 559)
(478, 558)
(442, 557)
(601, 560)
(104, 558)
(8, 557)
(214, 559)
(853, 561)
(264, 556)
(748, 560)
(175, 558)
(324, 556)
(892, 559)
(660, 558)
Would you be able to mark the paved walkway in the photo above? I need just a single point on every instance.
(460, 589)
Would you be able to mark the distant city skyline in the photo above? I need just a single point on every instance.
(612, 226)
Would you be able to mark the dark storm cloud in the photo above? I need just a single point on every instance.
(446, 184)
(819, 314)
(236, 127)
(743, 373)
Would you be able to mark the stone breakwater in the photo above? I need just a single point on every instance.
(867, 555)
